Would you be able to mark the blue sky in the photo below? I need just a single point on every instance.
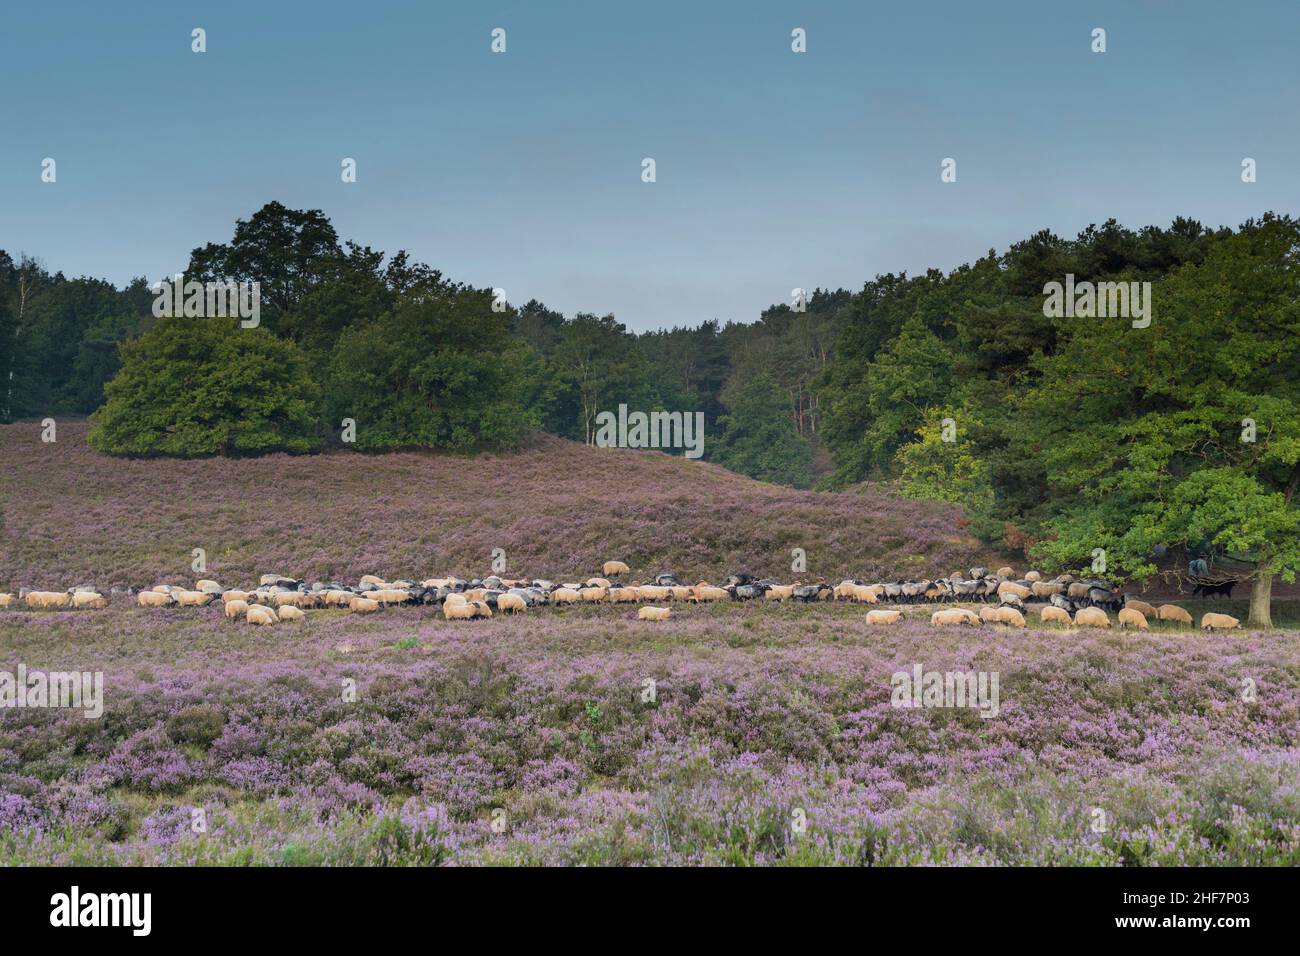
(522, 170)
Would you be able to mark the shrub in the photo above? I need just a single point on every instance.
(193, 387)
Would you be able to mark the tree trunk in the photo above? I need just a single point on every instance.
(1260, 598)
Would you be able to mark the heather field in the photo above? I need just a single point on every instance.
(733, 734)
(760, 716)
(559, 509)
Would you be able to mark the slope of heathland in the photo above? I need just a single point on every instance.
(557, 509)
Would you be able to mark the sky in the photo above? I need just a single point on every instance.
(522, 170)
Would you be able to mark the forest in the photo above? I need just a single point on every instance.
(1059, 434)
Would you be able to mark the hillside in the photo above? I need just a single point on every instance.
(73, 515)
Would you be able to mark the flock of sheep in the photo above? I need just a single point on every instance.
(278, 599)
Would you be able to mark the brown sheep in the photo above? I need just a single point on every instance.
(459, 612)
(1032, 576)
(653, 614)
(1132, 617)
(511, 603)
(361, 605)
(1058, 614)
(707, 592)
(48, 599)
(1091, 617)
(1002, 615)
(236, 609)
(866, 593)
(952, 616)
(1078, 591)
(290, 613)
(89, 599)
(1172, 612)
(614, 568)
(1218, 622)
(261, 615)
(884, 617)
(1042, 589)
(1142, 607)
(1005, 572)
(1019, 590)
(194, 598)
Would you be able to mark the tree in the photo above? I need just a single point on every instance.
(1188, 429)
(287, 251)
(193, 387)
(758, 437)
(440, 371)
(601, 363)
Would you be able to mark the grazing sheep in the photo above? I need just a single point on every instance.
(236, 609)
(707, 592)
(1058, 614)
(1045, 589)
(481, 609)
(593, 595)
(778, 592)
(1005, 572)
(654, 592)
(597, 583)
(844, 590)
(455, 597)
(290, 613)
(511, 603)
(365, 579)
(1032, 576)
(194, 598)
(954, 615)
(459, 612)
(1078, 591)
(884, 617)
(338, 598)
(1132, 617)
(154, 599)
(622, 596)
(1002, 615)
(1019, 590)
(865, 593)
(6, 600)
(565, 596)
(1218, 622)
(1142, 607)
(363, 605)
(1172, 612)
(48, 599)
(261, 615)
(1091, 617)
(162, 588)
(89, 599)
(235, 596)
(203, 584)
(614, 568)
(654, 614)
(680, 592)
(389, 595)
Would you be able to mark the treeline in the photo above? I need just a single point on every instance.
(412, 358)
(1065, 434)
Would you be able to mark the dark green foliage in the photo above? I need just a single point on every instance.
(758, 437)
(440, 371)
(208, 387)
